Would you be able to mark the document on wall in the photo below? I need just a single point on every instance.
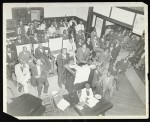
(92, 102)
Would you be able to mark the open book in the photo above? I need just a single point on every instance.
(91, 102)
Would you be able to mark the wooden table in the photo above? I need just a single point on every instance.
(100, 108)
(26, 105)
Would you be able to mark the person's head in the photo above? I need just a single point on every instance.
(54, 19)
(72, 18)
(24, 48)
(108, 74)
(64, 32)
(87, 86)
(38, 62)
(8, 50)
(126, 59)
(21, 61)
(84, 46)
(35, 34)
(106, 50)
(81, 22)
(79, 32)
(61, 20)
(112, 30)
(52, 25)
(80, 40)
(19, 37)
(43, 22)
(35, 21)
(31, 25)
(94, 37)
(64, 51)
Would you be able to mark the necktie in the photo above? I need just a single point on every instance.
(88, 93)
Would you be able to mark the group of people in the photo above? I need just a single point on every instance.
(100, 52)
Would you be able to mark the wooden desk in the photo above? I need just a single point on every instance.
(26, 105)
(100, 108)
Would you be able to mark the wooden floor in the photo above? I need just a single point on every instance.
(126, 101)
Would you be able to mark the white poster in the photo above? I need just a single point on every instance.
(93, 22)
(138, 27)
(98, 26)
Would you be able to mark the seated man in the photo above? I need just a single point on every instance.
(26, 56)
(30, 31)
(47, 59)
(79, 43)
(35, 39)
(64, 35)
(11, 61)
(45, 38)
(96, 44)
(107, 81)
(71, 48)
(62, 60)
(86, 93)
(51, 30)
(83, 54)
(39, 77)
(80, 27)
(22, 74)
(19, 41)
(81, 36)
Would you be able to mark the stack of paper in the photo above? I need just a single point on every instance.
(92, 102)
(63, 104)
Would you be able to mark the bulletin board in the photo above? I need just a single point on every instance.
(98, 26)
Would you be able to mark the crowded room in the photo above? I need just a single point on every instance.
(71, 60)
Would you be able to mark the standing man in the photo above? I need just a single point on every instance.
(83, 54)
(62, 60)
(107, 81)
(39, 77)
(22, 74)
(80, 27)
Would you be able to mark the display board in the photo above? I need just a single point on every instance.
(65, 43)
(55, 44)
(20, 48)
(138, 26)
(35, 15)
(98, 26)
(103, 10)
(122, 15)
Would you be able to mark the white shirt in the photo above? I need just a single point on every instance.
(71, 47)
(79, 27)
(64, 56)
(41, 50)
(71, 22)
(43, 26)
(38, 69)
(52, 30)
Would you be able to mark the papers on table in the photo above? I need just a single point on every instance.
(82, 74)
(63, 104)
(79, 107)
(91, 102)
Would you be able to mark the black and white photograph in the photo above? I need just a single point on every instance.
(82, 60)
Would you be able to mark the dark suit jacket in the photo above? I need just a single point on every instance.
(44, 39)
(61, 62)
(30, 32)
(18, 43)
(39, 54)
(115, 51)
(13, 58)
(82, 56)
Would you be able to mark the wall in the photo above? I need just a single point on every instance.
(52, 10)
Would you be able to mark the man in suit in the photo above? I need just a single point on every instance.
(64, 35)
(22, 74)
(30, 31)
(39, 77)
(96, 44)
(83, 54)
(115, 51)
(35, 39)
(11, 61)
(62, 60)
(26, 56)
(19, 41)
(86, 93)
(81, 36)
(47, 59)
(107, 81)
